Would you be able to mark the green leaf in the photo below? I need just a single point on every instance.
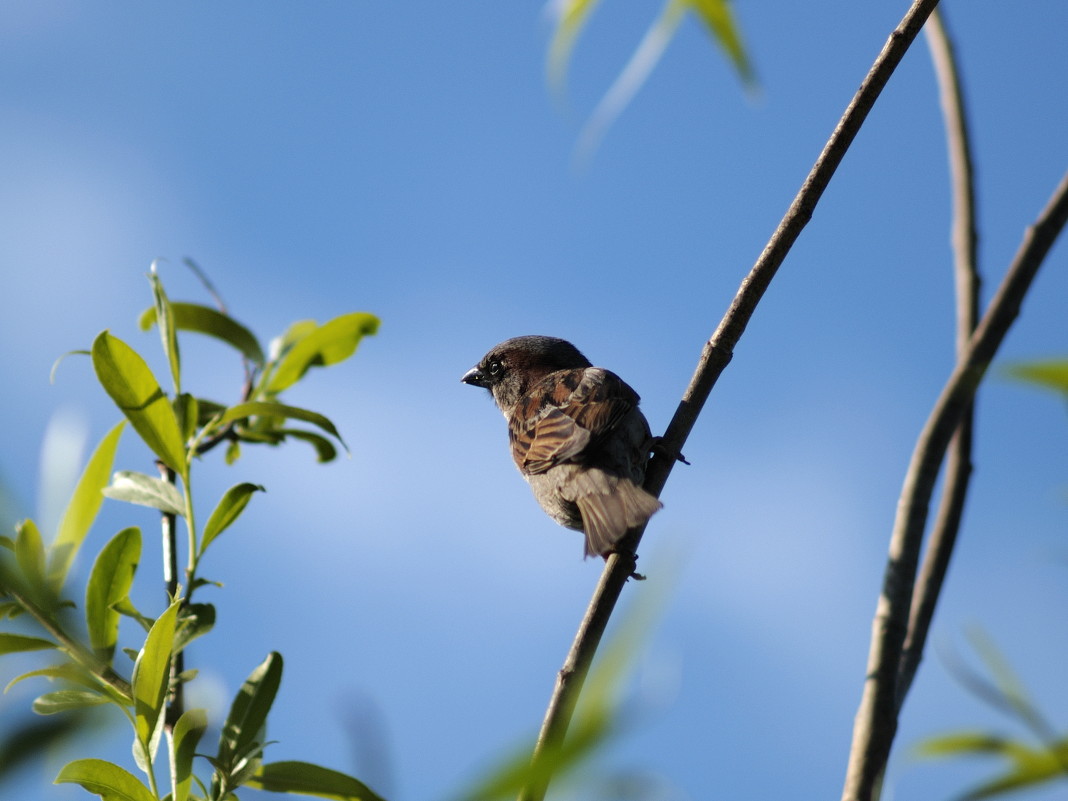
(109, 583)
(572, 18)
(304, 778)
(1050, 373)
(248, 713)
(187, 733)
(167, 331)
(150, 678)
(126, 608)
(134, 487)
(330, 343)
(187, 410)
(67, 700)
(719, 19)
(230, 507)
(30, 553)
(14, 643)
(106, 780)
(281, 410)
(194, 621)
(130, 383)
(205, 320)
(83, 507)
(75, 674)
(324, 448)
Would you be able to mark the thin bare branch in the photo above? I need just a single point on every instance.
(714, 358)
(876, 721)
(943, 537)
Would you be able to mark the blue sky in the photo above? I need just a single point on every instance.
(410, 161)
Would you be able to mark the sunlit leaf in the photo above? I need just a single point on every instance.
(281, 410)
(1052, 373)
(106, 780)
(719, 19)
(230, 507)
(187, 733)
(206, 320)
(144, 490)
(29, 551)
(109, 583)
(126, 608)
(571, 17)
(195, 621)
(633, 75)
(187, 410)
(75, 674)
(150, 677)
(330, 343)
(248, 713)
(13, 643)
(60, 360)
(128, 380)
(67, 700)
(304, 778)
(167, 331)
(83, 508)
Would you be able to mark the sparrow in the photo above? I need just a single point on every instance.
(576, 435)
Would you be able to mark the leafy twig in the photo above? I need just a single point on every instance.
(714, 358)
(876, 720)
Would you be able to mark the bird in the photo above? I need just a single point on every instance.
(576, 434)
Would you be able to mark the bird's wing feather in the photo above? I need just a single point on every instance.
(564, 414)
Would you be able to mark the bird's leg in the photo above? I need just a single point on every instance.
(656, 445)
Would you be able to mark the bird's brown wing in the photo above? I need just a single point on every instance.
(562, 415)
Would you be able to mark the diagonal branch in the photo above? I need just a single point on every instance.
(943, 535)
(876, 720)
(714, 358)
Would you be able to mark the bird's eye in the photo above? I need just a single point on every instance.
(495, 367)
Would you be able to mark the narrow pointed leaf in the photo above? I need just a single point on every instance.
(150, 675)
(571, 19)
(324, 448)
(1052, 373)
(83, 508)
(248, 713)
(131, 385)
(304, 778)
(194, 621)
(719, 19)
(109, 583)
(281, 410)
(167, 332)
(187, 733)
(144, 490)
(230, 507)
(14, 643)
(29, 551)
(187, 410)
(330, 343)
(206, 320)
(75, 674)
(106, 780)
(67, 700)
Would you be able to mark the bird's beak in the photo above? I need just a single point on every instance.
(476, 378)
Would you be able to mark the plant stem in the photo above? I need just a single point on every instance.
(943, 535)
(876, 720)
(169, 525)
(715, 356)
